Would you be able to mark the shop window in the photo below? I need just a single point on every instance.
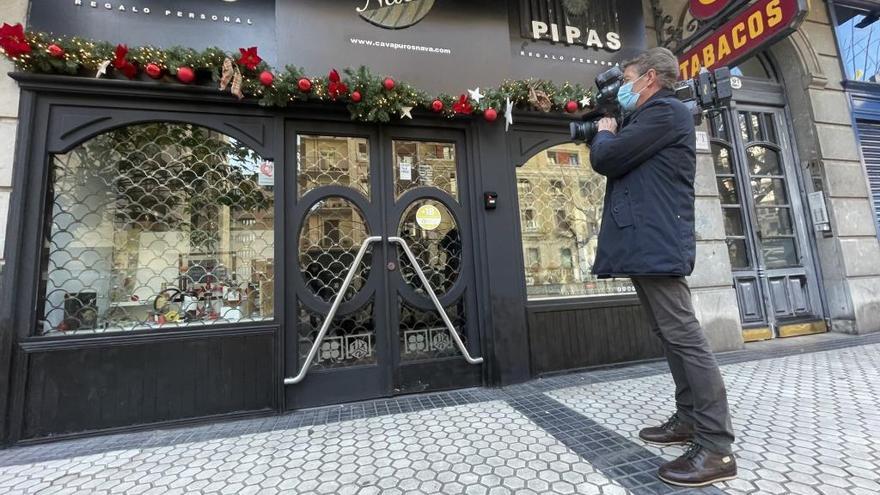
(858, 40)
(561, 211)
(158, 225)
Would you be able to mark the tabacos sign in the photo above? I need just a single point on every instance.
(751, 29)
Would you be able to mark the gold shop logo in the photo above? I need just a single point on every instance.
(395, 14)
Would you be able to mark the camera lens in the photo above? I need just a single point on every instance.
(583, 131)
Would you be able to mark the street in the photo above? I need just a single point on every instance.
(805, 413)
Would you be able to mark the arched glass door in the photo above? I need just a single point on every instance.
(367, 199)
(764, 222)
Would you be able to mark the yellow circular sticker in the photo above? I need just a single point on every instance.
(428, 217)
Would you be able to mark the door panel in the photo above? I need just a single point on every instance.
(764, 221)
(429, 212)
(387, 336)
(748, 294)
(337, 176)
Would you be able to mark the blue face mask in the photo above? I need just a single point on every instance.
(627, 97)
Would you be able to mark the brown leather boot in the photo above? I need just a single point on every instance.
(698, 467)
(673, 432)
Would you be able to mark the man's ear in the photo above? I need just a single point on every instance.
(653, 76)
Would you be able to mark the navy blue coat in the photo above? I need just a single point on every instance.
(648, 218)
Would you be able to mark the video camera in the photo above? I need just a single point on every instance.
(704, 92)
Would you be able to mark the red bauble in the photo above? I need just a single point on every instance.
(266, 78)
(490, 115)
(186, 75)
(356, 96)
(56, 51)
(388, 83)
(304, 85)
(437, 106)
(571, 106)
(154, 71)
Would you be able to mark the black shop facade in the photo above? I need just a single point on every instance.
(178, 254)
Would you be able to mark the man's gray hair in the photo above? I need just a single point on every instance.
(661, 60)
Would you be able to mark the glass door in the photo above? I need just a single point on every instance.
(427, 208)
(764, 222)
(365, 197)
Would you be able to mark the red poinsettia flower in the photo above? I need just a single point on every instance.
(463, 106)
(336, 87)
(122, 64)
(249, 58)
(12, 40)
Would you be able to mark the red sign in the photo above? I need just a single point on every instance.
(762, 23)
(704, 9)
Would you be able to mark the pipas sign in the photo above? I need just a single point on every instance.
(762, 23)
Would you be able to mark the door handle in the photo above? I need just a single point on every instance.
(449, 326)
(304, 369)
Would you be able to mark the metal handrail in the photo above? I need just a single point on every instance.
(333, 308)
(449, 326)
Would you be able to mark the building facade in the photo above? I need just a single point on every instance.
(172, 253)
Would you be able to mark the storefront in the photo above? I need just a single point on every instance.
(173, 252)
(792, 196)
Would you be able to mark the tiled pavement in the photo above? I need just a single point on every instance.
(805, 411)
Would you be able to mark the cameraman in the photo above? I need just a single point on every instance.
(647, 234)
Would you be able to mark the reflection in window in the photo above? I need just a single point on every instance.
(858, 38)
(424, 164)
(560, 212)
(752, 67)
(157, 225)
(734, 225)
(763, 161)
(333, 161)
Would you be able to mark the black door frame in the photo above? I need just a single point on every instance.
(452, 371)
(382, 212)
(772, 94)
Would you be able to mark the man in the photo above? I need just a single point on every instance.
(647, 234)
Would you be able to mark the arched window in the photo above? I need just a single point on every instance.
(755, 67)
(157, 225)
(560, 201)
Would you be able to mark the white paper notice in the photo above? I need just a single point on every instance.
(702, 141)
(405, 171)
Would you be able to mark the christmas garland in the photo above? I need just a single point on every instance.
(369, 98)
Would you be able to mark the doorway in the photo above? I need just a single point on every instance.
(764, 221)
(381, 231)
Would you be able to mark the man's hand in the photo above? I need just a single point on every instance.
(608, 124)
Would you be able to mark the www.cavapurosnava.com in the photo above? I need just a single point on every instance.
(401, 46)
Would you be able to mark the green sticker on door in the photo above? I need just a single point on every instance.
(428, 217)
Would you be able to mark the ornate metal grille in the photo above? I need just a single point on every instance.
(333, 161)
(331, 235)
(423, 334)
(350, 340)
(600, 15)
(159, 224)
(438, 250)
(561, 202)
